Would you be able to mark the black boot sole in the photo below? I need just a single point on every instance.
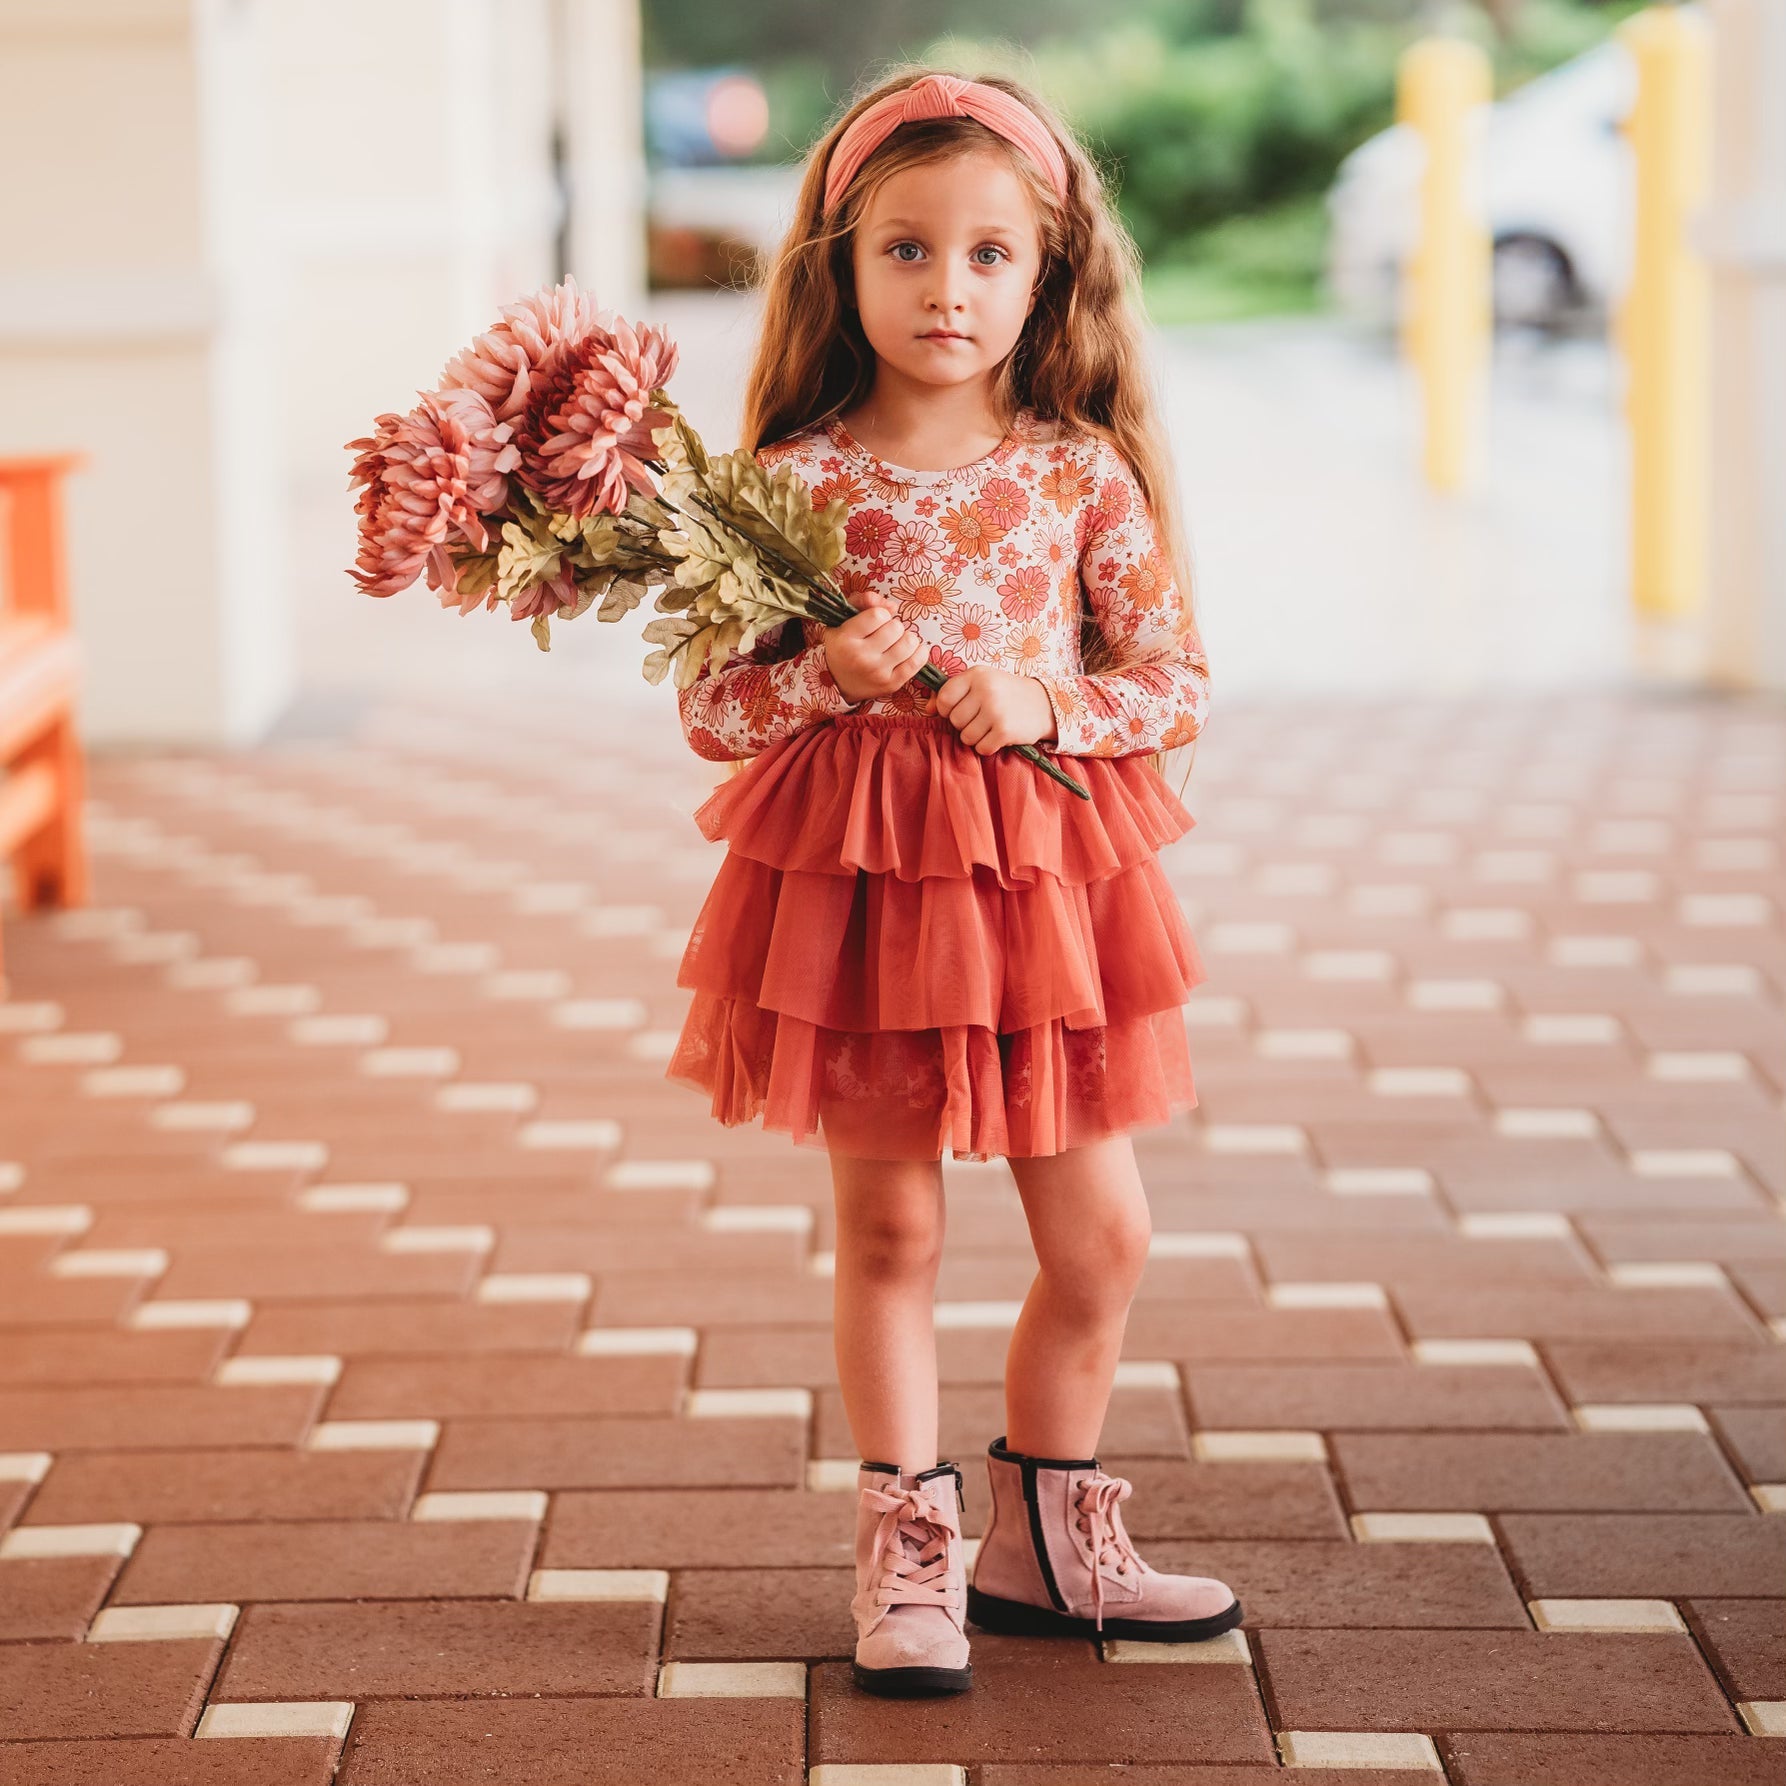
(1012, 1618)
(912, 1683)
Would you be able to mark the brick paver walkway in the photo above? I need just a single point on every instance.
(400, 1382)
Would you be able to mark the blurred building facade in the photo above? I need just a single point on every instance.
(247, 227)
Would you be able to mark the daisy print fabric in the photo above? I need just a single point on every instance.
(990, 563)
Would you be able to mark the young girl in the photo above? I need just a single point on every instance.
(917, 940)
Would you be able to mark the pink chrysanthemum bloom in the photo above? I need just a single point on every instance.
(420, 476)
(499, 364)
(490, 454)
(545, 597)
(585, 432)
(489, 444)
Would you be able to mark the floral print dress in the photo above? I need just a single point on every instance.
(990, 563)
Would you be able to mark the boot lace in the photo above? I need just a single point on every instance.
(1095, 1514)
(901, 1568)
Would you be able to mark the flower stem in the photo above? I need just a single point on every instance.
(933, 678)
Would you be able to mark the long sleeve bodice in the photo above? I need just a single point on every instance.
(990, 563)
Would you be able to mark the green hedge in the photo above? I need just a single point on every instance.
(1196, 129)
(1193, 132)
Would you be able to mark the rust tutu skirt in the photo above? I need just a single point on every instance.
(911, 948)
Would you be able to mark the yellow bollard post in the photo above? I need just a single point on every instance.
(1442, 87)
(1661, 327)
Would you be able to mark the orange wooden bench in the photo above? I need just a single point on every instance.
(42, 772)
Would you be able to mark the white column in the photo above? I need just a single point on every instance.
(410, 184)
(1742, 232)
(600, 97)
(131, 327)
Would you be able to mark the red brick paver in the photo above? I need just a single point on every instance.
(396, 1374)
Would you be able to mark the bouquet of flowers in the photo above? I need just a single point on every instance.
(551, 471)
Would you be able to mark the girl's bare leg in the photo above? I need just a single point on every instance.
(890, 1218)
(1089, 1220)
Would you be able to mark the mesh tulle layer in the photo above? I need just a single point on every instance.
(917, 1094)
(911, 949)
(898, 793)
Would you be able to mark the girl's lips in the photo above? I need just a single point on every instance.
(934, 336)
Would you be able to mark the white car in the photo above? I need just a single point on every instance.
(1556, 186)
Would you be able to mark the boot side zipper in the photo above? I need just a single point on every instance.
(1038, 1541)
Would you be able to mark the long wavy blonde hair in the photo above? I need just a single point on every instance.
(1080, 358)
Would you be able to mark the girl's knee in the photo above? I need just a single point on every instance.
(890, 1249)
(889, 1218)
(1101, 1269)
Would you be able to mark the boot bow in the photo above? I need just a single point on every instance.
(909, 1526)
(1097, 1503)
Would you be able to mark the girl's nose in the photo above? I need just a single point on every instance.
(948, 287)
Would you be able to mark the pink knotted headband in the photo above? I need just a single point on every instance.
(944, 96)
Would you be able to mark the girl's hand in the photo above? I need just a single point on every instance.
(992, 708)
(873, 653)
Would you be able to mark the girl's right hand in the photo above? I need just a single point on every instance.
(873, 653)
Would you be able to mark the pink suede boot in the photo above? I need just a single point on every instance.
(1055, 1561)
(911, 1581)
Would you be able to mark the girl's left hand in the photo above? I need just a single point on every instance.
(990, 708)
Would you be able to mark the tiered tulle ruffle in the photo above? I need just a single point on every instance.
(911, 948)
